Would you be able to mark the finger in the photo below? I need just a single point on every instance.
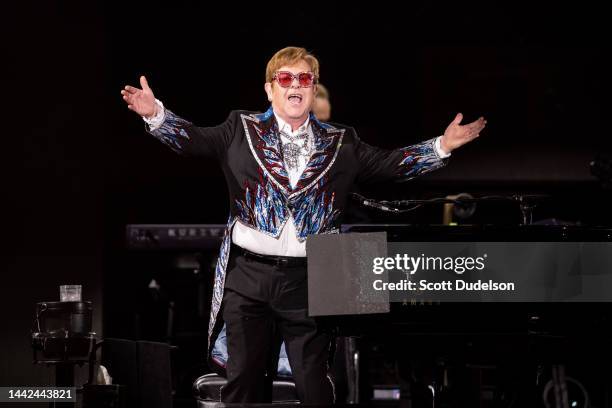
(476, 126)
(477, 122)
(472, 129)
(129, 97)
(472, 136)
(458, 119)
(131, 107)
(143, 83)
(131, 89)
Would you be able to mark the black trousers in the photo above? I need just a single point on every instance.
(263, 305)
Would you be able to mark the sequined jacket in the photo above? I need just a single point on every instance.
(248, 148)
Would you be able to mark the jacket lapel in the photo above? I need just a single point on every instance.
(327, 143)
(262, 136)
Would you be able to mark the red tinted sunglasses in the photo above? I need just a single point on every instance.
(285, 79)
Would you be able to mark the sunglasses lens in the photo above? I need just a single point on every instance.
(284, 79)
(306, 79)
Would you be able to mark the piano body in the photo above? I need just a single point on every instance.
(451, 354)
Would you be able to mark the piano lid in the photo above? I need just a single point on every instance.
(485, 232)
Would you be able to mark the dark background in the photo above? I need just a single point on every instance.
(78, 165)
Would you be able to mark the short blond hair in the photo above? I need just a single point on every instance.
(291, 56)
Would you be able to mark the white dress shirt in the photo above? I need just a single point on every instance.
(251, 239)
(287, 243)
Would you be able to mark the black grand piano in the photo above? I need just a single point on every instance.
(499, 354)
(453, 354)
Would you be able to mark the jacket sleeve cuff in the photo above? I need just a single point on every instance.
(441, 153)
(156, 121)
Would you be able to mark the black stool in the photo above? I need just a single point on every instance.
(207, 390)
(343, 371)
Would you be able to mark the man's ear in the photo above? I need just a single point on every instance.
(268, 88)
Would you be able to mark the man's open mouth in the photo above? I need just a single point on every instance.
(295, 98)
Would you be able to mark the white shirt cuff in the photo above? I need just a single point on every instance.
(441, 153)
(156, 121)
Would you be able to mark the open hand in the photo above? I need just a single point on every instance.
(142, 100)
(457, 135)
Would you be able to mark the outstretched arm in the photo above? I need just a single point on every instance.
(172, 130)
(408, 162)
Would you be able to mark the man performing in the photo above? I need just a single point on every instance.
(289, 176)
